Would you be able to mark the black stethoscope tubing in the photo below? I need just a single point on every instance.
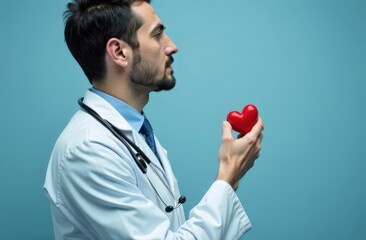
(137, 154)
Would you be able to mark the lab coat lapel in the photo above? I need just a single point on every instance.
(108, 112)
(163, 154)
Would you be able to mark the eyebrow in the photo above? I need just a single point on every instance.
(158, 26)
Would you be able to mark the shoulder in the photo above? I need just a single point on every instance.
(86, 147)
(84, 136)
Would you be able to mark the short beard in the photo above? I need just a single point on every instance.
(144, 73)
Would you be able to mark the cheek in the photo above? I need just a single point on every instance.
(158, 57)
(154, 52)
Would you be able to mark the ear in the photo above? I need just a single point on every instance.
(118, 51)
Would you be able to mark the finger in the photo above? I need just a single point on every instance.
(256, 130)
(226, 130)
(254, 152)
(258, 127)
(249, 164)
(252, 137)
(258, 147)
(260, 138)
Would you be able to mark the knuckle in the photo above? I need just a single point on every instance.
(251, 139)
(259, 147)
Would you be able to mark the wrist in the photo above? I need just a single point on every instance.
(234, 184)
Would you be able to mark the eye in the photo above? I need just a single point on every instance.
(159, 32)
(158, 35)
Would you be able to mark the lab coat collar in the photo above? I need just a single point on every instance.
(106, 111)
(109, 113)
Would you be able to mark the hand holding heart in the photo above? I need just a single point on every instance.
(237, 156)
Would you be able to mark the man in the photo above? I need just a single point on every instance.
(96, 189)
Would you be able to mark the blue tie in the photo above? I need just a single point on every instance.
(147, 131)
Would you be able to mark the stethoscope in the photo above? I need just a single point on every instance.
(142, 161)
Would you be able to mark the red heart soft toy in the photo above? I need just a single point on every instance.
(244, 121)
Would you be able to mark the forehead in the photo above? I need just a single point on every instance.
(147, 14)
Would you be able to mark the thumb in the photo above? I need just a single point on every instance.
(226, 130)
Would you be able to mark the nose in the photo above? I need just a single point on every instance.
(170, 48)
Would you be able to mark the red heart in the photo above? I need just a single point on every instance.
(244, 121)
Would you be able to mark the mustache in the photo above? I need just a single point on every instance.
(169, 62)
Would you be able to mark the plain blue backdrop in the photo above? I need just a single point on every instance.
(303, 63)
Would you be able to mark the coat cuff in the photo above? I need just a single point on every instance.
(239, 216)
(220, 214)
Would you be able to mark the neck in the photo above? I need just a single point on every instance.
(133, 95)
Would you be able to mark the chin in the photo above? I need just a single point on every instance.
(167, 83)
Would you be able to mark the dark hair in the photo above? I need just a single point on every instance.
(91, 23)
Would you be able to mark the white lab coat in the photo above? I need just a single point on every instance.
(97, 191)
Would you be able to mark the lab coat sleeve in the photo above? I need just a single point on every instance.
(107, 203)
(219, 215)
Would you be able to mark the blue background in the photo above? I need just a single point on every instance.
(303, 63)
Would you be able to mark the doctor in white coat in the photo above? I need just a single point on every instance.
(95, 188)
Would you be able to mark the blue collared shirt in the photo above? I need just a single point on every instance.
(132, 116)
